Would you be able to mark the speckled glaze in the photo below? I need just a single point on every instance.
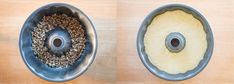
(57, 74)
(162, 74)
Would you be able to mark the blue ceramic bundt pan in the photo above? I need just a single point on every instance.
(57, 74)
(162, 74)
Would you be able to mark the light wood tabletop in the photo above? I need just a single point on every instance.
(14, 14)
(117, 23)
(220, 15)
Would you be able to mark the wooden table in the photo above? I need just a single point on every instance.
(220, 15)
(13, 16)
(117, 24)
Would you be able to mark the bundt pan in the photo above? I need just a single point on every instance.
(155, 70)
(58, 74)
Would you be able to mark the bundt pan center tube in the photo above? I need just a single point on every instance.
(58, 42)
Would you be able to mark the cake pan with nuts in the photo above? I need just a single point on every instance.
(58, 42)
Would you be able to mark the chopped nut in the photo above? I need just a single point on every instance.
(48, 23)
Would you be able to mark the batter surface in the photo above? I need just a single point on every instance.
(189, 27)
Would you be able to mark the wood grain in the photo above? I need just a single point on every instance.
(117, 23)
(14, 13)
(220, 16)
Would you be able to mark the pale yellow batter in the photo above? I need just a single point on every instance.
(189, 27)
